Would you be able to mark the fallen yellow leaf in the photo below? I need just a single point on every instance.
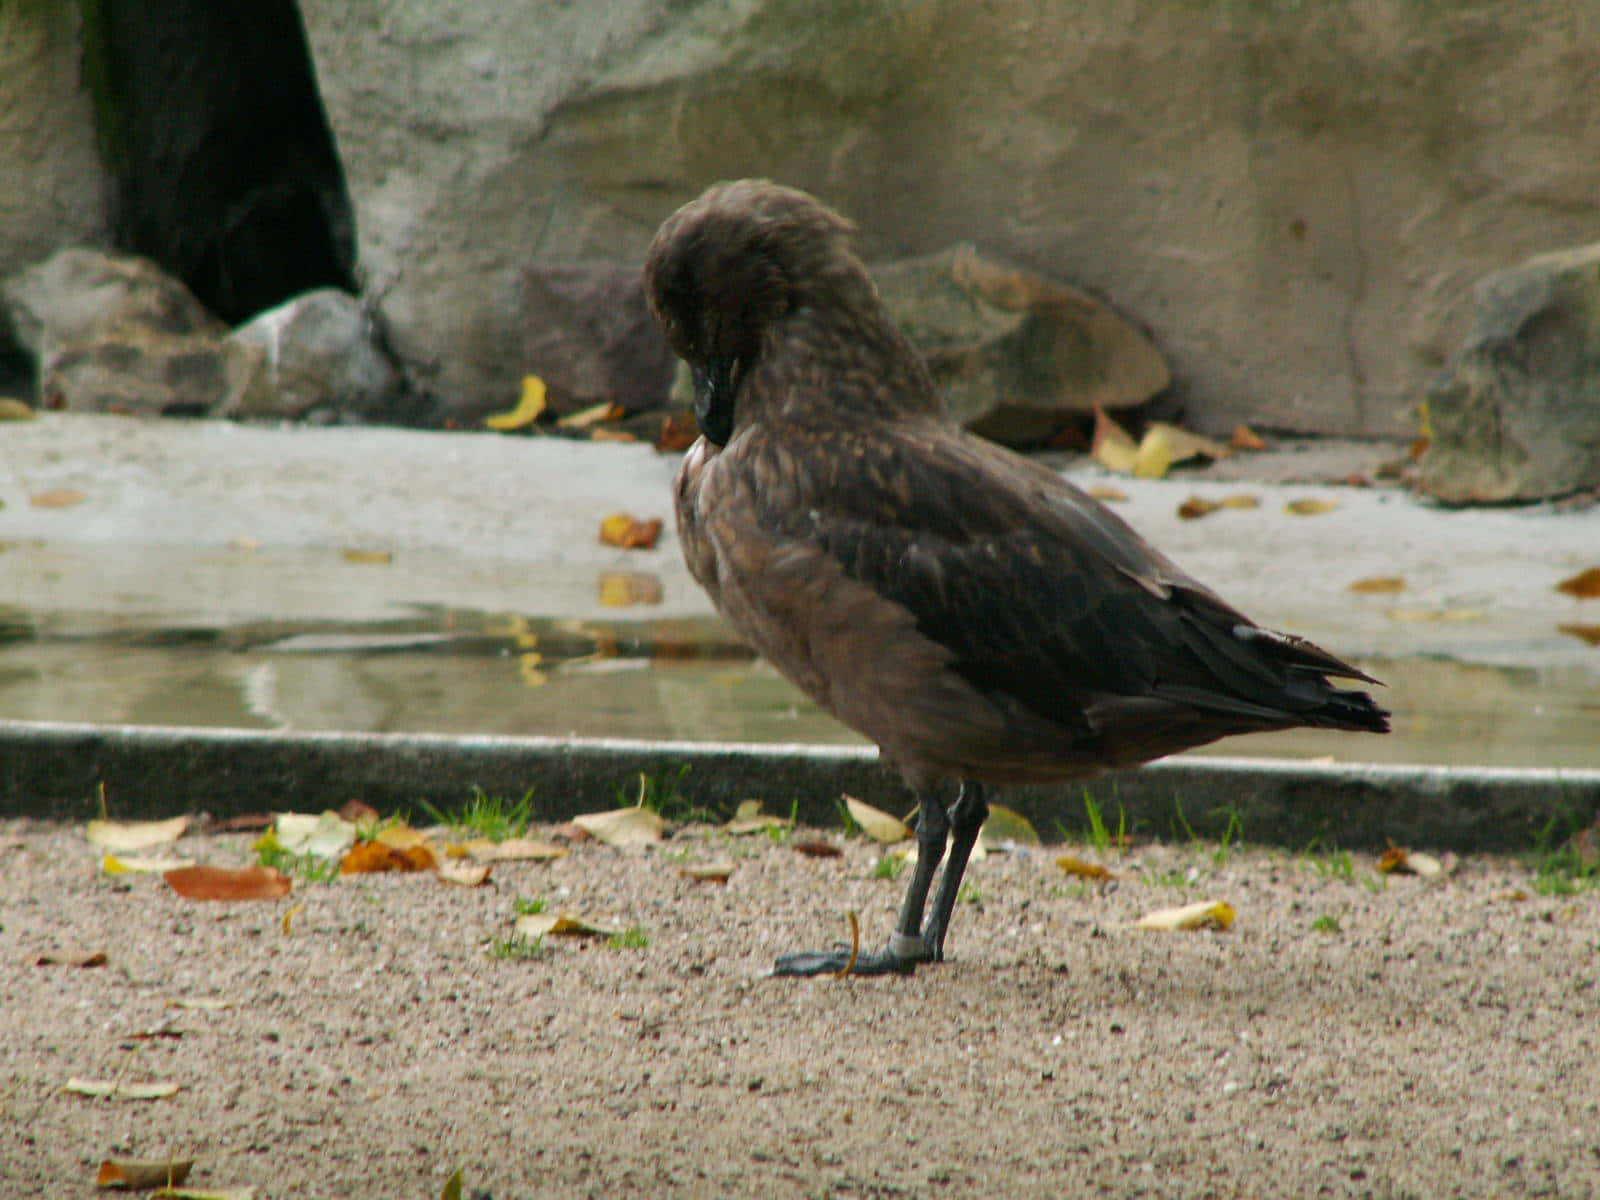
(875, 823)
(289, 915)
(510, 850)
(1377, 585)
(748, 818)
(529, 407)
(1104, 491)
(59, 498)
(375, 558)
(632, 826)
(1205, 914)
(1006, 826)
(1245, 438)
(1434, 614)
(630, 533)
(1111, 446)
(139, 1174)
(135, 835)
(606, 410)
(1310, 507)
(1083, 870)
(533, 925)
(715, 872)
(116, 1089)
(135, 864)
(463, 874)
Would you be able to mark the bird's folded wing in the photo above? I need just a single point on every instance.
(1035, 590)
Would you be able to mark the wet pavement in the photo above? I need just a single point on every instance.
(389, 580)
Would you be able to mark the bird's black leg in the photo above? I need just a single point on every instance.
(907, 945)
(967, 816)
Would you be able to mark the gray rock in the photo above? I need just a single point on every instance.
(1014, 354)
(1516, 416)
(588, 333)
(113, 333)
(1291, 195)
(317, 353)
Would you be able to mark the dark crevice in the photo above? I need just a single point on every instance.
(223, 166)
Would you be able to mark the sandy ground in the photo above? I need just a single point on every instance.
(1441, 1042)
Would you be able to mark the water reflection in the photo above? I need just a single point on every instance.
(456, 671)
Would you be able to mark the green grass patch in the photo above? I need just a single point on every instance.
(516, 948)
(631, 938)
(484, 816)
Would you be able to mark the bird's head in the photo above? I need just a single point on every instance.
(724, 268)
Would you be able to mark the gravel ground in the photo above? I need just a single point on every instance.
(1351, 1035)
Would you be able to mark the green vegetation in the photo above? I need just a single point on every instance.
(1098, 835)
(1326, 923)
(631, 938)
(516, 948)
(485, 816)
(889, 866)
(525, 906)
(308, 868)
(1561, 866)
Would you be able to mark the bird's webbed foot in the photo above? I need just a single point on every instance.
(899, 957)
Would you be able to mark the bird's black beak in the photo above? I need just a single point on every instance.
(713, 398)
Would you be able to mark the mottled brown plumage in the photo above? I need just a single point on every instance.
(979, 618)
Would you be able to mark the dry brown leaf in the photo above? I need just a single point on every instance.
(373, 558)
(357, 812)
(678, 432)
(1397, 860)
(534, 925)
(1204, 914)
(635, 825)
(1245, 438)
(1196, 507)
(135, 835)
(715, 872)
(530, 405)
(877, 824)
(630, 533)
(817, 848)
(91, 958)
(606, 410)
(223, 883)
(1587, 633)
(612, 435)
(116, 1089)
(1378, 585)
(58, 498)
(1419, 447)
(1083, 870)
(1585, 585)
(1310, 507)
(1104, 491)
(624, 589)
(510, 850)
(365, 858)
(143, 1173)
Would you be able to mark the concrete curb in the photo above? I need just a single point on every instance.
(53, 771)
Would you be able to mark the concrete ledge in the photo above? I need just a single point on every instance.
(53, 771)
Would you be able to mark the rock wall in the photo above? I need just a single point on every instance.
(1295, 199)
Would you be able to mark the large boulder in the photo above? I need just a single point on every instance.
(588, 333)
(1014, 355)
(319, 355)
(113, 333)
(1517, 414)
